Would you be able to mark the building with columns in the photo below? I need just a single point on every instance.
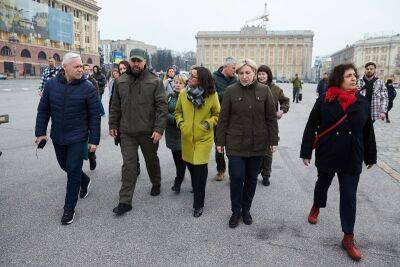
(384, 51)
(31, 31)
(286, 52)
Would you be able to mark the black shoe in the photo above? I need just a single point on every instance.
(387, 120)
(122, 208)
(265, 181)
(198, 212)
(92, 163)
(176, 188)
(67, 218)
(234, 221)
(84, 192)
(247, 218)
(155, 190)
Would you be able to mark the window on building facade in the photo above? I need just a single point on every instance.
(90, 61)
(57, 57)
(25, 53)
(5, 51)
(42, 55)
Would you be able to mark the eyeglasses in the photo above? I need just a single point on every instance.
(192, 77)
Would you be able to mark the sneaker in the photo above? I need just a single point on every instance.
(155, 190)
(92, 163)
(220, 176)
(84, 192)
(67, 218)
(122, 208)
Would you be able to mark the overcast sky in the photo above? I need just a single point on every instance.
(173, 24)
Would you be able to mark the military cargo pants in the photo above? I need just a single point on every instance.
(129, 148)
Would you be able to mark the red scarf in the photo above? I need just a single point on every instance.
(345, 98)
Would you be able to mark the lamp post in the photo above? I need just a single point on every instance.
(14, 40)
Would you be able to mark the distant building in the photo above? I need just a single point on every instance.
(384, 51)
(286, 52)
(114, 51)
(322, 64)
(33, 31)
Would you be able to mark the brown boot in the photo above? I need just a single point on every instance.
(220, 176)
(313, 217)
(349, 245)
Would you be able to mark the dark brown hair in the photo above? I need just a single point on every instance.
(370, 64)
(205, 80)
(97, 69)
(128, 67)
(337, 76)
(267, 70)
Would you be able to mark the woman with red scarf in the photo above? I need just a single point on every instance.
(340, 129)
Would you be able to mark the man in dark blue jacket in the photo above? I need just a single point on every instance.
(72, 104)
(223, 77)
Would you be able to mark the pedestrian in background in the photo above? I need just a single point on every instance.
(223, 77)
(50, 72)
(340, 127)
(138, 115)
(72, 103)
(196, 114)
(101, 81)
(248, 130)
(375, 91)
(173, 134)
(281, 104)
(323, 84)
(169, 80)
(296, 88)
(391, 96)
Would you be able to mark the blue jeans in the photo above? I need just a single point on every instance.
(243, 172)
(70, 159)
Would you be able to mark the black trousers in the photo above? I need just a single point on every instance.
(199, 175)
(180, 166)
(390, 106)
(348, 184)
(266, 166)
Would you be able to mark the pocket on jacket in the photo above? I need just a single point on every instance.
(234, 140)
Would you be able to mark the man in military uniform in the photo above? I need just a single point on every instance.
(139, 114)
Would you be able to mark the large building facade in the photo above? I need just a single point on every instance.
(286, 52)
(384, 51)
(31, 31)
(114, 51)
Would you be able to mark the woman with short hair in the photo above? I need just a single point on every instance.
(340, 129)
(196, 114)
(248, 129)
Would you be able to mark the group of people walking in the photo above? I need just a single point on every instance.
(236, 108)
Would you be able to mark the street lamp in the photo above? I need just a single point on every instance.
(14, 40)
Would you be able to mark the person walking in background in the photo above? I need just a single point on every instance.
(223, 77)
(247, 129)
(281, 104)
(323, 84)
(375, 91)
(101, 81)
(296, 88)
(391, 96)
(50, 72)
(72, 103)
(169, 80)
(91, 156)
(115, 73)
(138, 115)
(340, 127)
(173, 134)
(196, 114)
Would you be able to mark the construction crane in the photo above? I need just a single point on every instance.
(263, 19)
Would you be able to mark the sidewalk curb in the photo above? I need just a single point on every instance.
(389, 170)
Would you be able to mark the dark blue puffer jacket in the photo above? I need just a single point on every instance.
(73, 109)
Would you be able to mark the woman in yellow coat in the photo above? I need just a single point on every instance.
(196, 114)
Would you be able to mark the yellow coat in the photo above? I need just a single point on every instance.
(197, 141)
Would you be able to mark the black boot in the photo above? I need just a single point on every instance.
(265, 181)
(121, 209)
(176, 188)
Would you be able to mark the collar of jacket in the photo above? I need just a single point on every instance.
(253, 85)
(62, 79)
(221, 75)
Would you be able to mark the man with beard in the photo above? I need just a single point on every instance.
(139, 113)
(223, 77)
(375, 91)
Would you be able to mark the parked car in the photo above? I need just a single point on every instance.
(3, 77)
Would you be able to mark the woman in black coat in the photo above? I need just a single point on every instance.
(342, 150)
(392, 95)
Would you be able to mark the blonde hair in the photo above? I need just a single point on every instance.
(181, 78)
(246, 62)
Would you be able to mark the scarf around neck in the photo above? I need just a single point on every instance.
(195, 95)
(345, 98)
